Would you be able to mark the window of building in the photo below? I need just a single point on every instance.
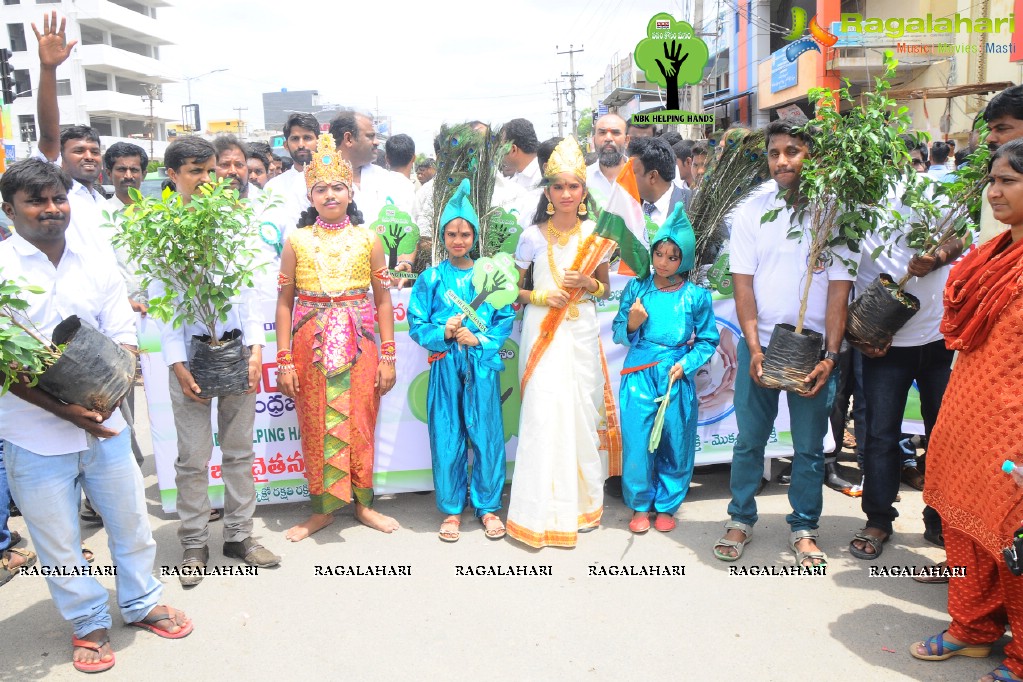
(47, 2)
(27, 127)
(12, 2)
(16, 33)
(91, 36)
(64, 87)
(22, 82)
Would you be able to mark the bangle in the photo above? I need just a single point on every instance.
(599, 292)
(284, 356)
(285, 368)
(388, 352)
(283, 281)
(538, 297)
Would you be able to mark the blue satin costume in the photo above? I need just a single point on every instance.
(463, 401)
(659, 481)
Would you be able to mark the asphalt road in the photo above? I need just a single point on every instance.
(580, 622)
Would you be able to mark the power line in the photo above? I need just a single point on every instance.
(571, 76)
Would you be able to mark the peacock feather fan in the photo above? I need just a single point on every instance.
(466, 153)
(459, 146)
(741, 168)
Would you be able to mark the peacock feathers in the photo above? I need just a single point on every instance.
(741, 168)
(470, 153)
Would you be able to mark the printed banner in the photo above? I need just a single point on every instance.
(402, 441)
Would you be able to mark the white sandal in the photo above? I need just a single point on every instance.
(738, 545)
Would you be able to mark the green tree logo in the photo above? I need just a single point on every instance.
(503, 235)
(397, 232)
(671, 55)
(496, 281)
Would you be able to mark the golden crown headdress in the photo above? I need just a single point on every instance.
(328, 165)
(566, 158)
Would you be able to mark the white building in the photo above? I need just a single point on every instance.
(104, 81)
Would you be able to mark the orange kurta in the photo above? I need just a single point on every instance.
(979, 426)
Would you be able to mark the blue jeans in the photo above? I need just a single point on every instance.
(756, 408)
(886, 384)
(48, 490)
(5, 504)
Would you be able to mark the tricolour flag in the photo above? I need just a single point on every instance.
(622, 220)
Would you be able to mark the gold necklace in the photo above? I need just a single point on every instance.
(563, 237)
(573, 309)
(326, 239)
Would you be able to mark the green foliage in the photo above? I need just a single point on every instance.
(653, 53)
(154, 165)
(200, 252)
(856, 163)
(23, 351)
(939, 212)
(496, 281)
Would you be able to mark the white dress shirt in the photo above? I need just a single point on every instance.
(376, 186)
(75, 286)
(530, 176)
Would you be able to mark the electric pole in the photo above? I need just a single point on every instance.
(154, 93)
(238, 127)
(571, 76)
(557, 101)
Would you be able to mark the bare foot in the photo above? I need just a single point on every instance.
(374, 519)
(83, 655)
(314, 523)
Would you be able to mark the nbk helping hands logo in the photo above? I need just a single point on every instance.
(671, 55)
(818, 36)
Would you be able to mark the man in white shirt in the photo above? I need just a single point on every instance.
(939, 159)
(1004, 117)
(375, 187)
(918, 354)
(300, 133)
(126, 165)
(53, 450)
(768, 271)
(684, 164)
(76, 149)
(654, 164)
(521, 157)
(190, 161)
(233, 164)
(611, 142)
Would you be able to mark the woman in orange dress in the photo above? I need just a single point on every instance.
(327, 354)
(979, 426)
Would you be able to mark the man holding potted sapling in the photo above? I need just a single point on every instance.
(190, 162)
(54, 449)
(768, 270)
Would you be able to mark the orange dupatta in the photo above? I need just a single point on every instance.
(591, 252)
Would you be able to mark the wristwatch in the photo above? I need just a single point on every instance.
(831, 355)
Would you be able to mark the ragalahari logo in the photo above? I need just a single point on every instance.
(671, 55)
(818, 38)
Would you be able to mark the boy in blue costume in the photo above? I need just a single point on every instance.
(658, 317)
(463, 400)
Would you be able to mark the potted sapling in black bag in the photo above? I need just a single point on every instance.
(200, 254)
(844, 181)
(938, 214)
(79, 365)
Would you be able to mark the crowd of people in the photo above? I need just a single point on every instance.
(336, 356)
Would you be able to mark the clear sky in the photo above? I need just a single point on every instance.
(422, 63)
